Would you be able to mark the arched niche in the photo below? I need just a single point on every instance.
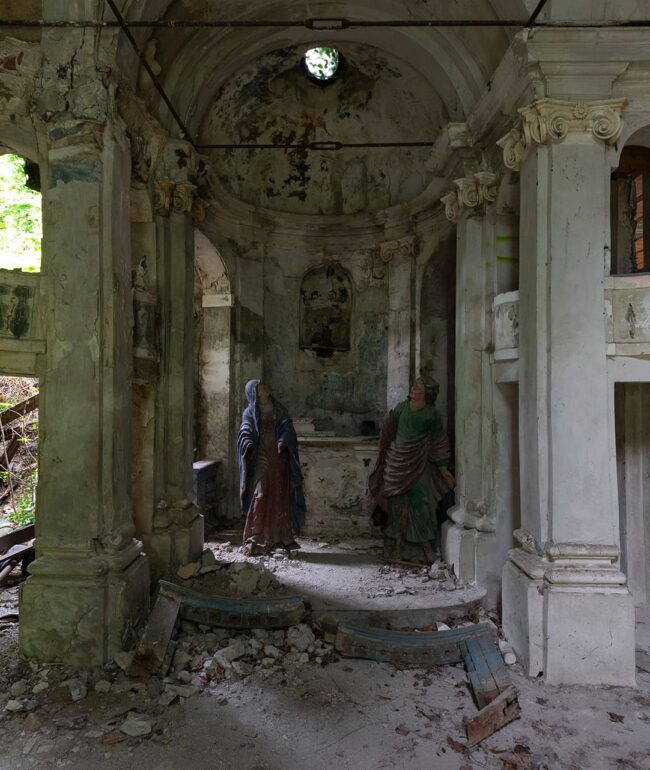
(326, 302)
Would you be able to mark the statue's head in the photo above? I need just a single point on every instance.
(427, 387)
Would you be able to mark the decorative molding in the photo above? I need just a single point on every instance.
(179, 197)
(452, 207)
(183, 198)
(554, 120)
(472, 193)
(402, 248)
(163, 190)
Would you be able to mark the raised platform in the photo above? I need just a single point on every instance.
(349, 582)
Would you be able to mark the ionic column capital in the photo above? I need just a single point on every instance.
(471, 194)
(554, 120)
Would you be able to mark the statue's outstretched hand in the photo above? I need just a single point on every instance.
(448, 477)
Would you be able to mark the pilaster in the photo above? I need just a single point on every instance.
(177, 533)
(568, 490)
(88, 593)
(469, 540)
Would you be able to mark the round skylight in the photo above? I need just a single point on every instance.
(322, 63)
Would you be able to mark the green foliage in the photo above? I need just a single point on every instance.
(322, 62)
(25, 502)
(20, 218)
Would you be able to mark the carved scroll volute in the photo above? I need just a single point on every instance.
(486, 184)
(183, 198)
(452, 207)
(163, 191)
(467, 192)
(553, 120)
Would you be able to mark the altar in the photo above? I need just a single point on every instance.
(336, 470)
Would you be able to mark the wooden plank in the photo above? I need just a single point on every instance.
(155, 648)
(17, 552)
(500, 712)
(21, 535)
(409, 647)
(496, 663)
(19, 410)
(484, 686)
(226, 612)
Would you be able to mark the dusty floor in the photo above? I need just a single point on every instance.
(282, 713)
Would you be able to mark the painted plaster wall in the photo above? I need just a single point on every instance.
(342, 391)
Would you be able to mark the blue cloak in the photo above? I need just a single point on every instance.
(248, 440)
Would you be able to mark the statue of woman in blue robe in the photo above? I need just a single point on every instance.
(269, 473)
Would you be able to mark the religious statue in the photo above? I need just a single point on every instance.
(411, 474)
(269, 473)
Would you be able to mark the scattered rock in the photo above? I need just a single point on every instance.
(102, 686)
(300, 637)
(40, 687)
(184, 690)
(77, 689)
(71, 723)
(184, 677)
(18, 688)
(236, 649)
(167, 698)
(136, 726)
(15, 706)
(125, 659)
(208, 558)
(188, 571)
(245, 578)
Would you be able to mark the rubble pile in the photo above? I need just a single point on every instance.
(228, 578)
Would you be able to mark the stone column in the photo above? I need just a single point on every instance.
(468, 540)
(177, 536)
(89, 587)
(567, 609)
(400, 257)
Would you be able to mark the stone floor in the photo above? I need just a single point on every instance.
(298, 710)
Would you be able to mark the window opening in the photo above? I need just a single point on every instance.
(322, 63)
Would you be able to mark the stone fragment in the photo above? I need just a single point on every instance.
(167, 698)
(184, 690)
(271, 651)
(77, 689)
(236, 649)
(208, 558)
(510, 658)
(184, 677)
(181, 659)
(125, 659)
(136, 726)
(241, 668)
(40, 687)
(102, 686)
(71, 723)
(94, 734)
(32, 723)
(14, 706)
(245, 578)
(300, 637)
(18, 688)
(188, 571)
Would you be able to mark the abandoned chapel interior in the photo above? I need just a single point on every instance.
(313, 215)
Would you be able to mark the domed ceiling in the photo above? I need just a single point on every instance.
(374, 98)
